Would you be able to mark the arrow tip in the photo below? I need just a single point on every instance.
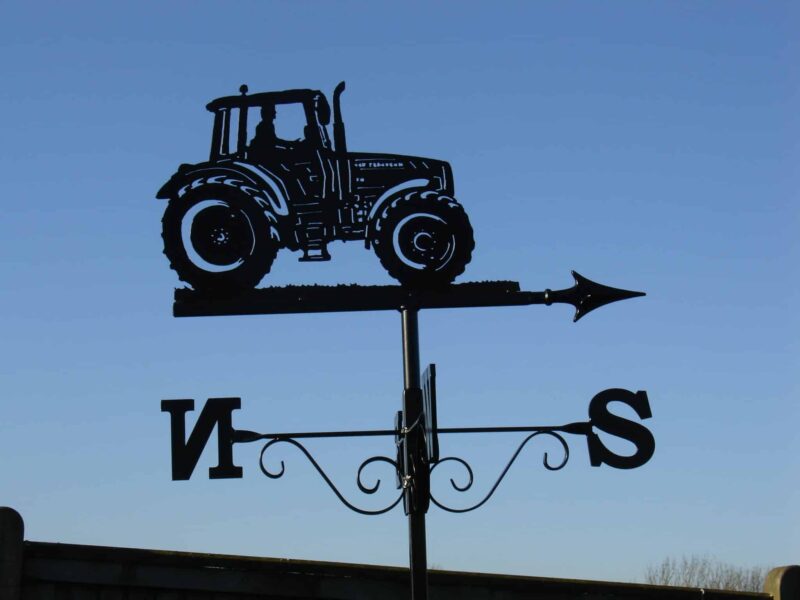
(589, 295)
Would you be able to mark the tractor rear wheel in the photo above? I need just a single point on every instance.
(218, 239)
(423, 239)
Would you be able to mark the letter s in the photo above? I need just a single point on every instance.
(612, 424)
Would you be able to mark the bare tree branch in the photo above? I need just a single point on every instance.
(705, 572)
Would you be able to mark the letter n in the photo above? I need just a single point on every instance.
(217, 412)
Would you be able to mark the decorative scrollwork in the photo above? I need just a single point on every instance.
(366, 489)
(470, 478)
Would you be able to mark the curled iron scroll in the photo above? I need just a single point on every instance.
(470, 478)
(366, 489)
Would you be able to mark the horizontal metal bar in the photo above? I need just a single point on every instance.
(242, 436)
(347, 298)
(576, 428)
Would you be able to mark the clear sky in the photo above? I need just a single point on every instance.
(652, 146)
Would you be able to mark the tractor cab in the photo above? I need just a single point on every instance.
(254, 127)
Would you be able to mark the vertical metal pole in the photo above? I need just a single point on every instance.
(412, 410)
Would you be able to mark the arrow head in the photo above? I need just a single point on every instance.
(587, 295)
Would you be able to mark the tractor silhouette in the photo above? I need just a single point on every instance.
(227, 218)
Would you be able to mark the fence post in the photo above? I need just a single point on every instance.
(11, 535)
(783, 583)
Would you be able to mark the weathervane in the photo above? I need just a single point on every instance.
(226, 220)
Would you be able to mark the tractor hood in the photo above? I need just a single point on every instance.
(382, 171)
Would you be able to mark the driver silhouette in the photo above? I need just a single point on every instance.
(265, 140)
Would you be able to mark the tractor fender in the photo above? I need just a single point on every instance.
(264, 180)
(279, 197)
(189, 175)
(261, 185)
(388, 195)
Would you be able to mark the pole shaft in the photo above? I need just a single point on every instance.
(418, 560)
(410, 347)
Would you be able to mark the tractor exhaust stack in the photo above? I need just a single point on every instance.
(338, 126)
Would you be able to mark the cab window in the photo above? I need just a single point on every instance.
(290, 122)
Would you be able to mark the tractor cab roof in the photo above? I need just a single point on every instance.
(266, 98)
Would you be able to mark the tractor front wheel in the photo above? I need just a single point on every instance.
(423, 239)
(218, 239)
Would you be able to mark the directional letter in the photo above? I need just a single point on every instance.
(217, 412)
(614, 425)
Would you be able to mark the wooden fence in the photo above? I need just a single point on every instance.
(47, 571)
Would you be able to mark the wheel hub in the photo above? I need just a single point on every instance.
(219, 234)
(423, 241)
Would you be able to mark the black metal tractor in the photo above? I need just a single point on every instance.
(228, 217)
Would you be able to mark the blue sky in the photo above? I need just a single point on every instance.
(651, 146)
